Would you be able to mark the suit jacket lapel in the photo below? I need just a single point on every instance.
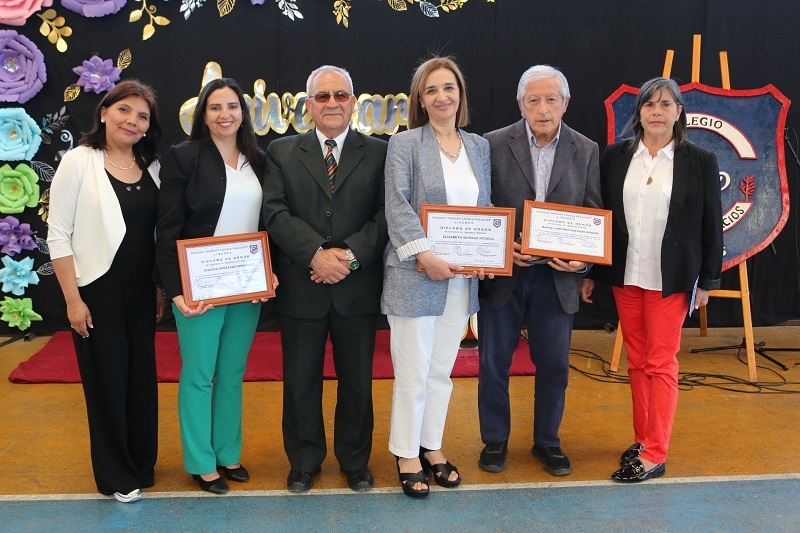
(680, 172)
(618, 171)
(565, 151)
(432, 175)
(520, 145)
(314, 161)
(352, 153)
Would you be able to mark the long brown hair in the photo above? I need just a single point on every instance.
(245, 136)
(145, 149)
(416, 115)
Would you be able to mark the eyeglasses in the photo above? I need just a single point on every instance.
(339, 96)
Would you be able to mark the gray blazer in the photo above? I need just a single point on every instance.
(414, 176)
(574, 180)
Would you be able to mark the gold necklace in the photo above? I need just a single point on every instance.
(117, 166)
(446, 151)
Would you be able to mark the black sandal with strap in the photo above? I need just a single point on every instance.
(441, 472)
(409, 479)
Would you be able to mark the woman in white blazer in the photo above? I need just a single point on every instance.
(103, 208)
(433, 162)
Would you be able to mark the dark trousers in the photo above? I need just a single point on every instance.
(118, 371)
(303, 342)
(534, 301)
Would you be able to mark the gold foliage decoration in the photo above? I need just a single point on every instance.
(398, 5)
(452, 5)
(155, 20)
(72, 92)
(341, 8)
(54, 29)
(124, 59)
(44, 205)
(225, 6)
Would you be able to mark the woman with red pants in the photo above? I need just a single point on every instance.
(667, 240)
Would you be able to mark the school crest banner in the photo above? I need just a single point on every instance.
(745, 129)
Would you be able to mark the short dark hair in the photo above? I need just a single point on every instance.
(145, 150)
(416, 115)
(646, 92)
(245, 136)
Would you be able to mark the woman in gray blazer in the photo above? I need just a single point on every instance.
(434, 162)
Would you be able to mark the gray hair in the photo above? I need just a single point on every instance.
(542, 72)
(649, 89)
(328, 68)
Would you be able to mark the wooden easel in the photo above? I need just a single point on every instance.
(743, 293)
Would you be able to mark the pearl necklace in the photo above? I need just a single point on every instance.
(446, 151)
(117, 166)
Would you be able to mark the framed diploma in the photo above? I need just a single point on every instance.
(567, 232)
(226, 269)
(472, 237)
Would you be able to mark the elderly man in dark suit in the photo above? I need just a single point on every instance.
(324, 209)
(540, 158)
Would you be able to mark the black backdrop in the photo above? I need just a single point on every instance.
(598, 44)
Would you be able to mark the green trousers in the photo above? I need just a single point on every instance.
(214, 349)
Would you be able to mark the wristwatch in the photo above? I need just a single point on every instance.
(351, 258)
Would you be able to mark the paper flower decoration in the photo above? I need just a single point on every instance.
(18, 312)
(94, 8)
(96, 75)
(22, 72)
(16, 12)
(19, 188)
(17, 275)
(20, 136)
(15, 237)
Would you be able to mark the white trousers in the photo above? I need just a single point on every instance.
(424, 350)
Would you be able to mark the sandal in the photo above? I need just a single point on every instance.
(409, 479)
(441, 472)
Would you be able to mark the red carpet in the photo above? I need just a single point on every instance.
(56, 363)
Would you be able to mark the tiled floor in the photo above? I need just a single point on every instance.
(724, 427)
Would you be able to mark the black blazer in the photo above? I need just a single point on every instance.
(692, 244)
(189, 202)
(301, 215)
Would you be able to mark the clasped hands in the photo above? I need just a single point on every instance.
(329, 266)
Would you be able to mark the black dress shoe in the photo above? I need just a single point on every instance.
(215, 486)
(554, 460)
(633, 452)
(235, 474)
(634, 472)
(299, 481)
(359, 480)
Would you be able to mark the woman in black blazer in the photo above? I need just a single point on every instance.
(211, 185)
(666, 256)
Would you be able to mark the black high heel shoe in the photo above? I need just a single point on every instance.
(235, 474)
(215, 486)
(441, 472)
(408, 480)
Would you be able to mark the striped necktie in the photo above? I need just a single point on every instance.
(330, 161)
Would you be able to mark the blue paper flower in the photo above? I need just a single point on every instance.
(22, 72)
(94, 8)
(15, 237)
(20, 136)
(17, 275)
(97, 75)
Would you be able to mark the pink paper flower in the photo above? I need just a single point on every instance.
(16, 12)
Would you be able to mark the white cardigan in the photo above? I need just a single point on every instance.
(85, 219)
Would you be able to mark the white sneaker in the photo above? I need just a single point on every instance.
(132, 496)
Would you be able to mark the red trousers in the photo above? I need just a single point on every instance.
(651, 328)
